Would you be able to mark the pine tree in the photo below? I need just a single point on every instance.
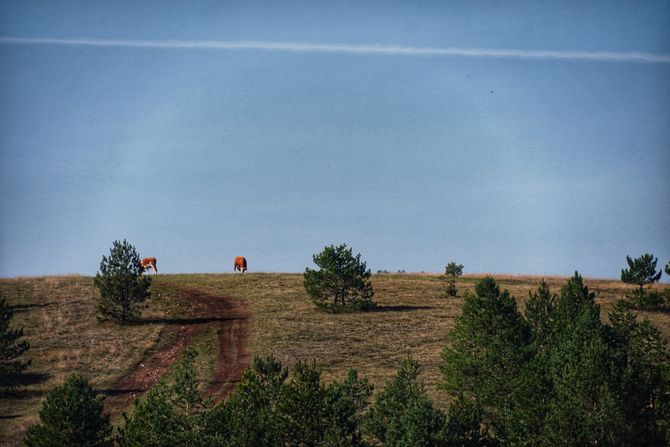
(171, 413)
(342, 283)
(71, 416)
(451, 272)
(11, 347)
(643, 375)
(266, 410)
(403, 415)
(251, 415)
(121, 283)
(346, 401)
(489, 351)
(574, 381)
(641, 271)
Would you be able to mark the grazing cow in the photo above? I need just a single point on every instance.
(240, 264)
(149, 263)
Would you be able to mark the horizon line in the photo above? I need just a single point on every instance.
(398, 50)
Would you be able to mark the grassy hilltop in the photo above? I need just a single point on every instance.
(413, 318)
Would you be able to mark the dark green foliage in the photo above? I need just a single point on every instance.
(251, 416)
(122, 286)
(585, 408)
(266, 410)
(667, 268)
(565, 378)
(403, 415)
(318, 414)
(641, 271)
(451, 272)
(347, 400)
(11, 348)
(71, 416)
(463, 427)
(539, 313)
(490, 347)
(342, 283)
(643, 374)
(171, 413)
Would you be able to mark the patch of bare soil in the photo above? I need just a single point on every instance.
(229, 316)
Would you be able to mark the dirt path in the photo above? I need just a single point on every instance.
(229, 316)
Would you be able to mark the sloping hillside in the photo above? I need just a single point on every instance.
(228, 318)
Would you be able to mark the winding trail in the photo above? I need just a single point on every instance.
(229, 316)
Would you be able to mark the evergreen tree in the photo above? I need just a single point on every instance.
(643, 375)
(463, 427)
(641, 271)
(342, 283)
(452, 272)
(573, 381)
(266, 410)
(319, 414)
(489, 350)
(251, 416)
(347, 400)
(539, 313)
(11, 348)
(404, 416)
(71, 416)
(171, 413)
(121, 283)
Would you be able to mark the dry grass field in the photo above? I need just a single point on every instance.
(413, 318)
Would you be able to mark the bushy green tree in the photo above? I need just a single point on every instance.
(318, 414)
(643, 375)
(348, 400)
(489, 349)
(171, 413)
(71, 416)
(403, 415)
(641, 271)
(574, 380)
(250, 416)
(342, 282)
(452, 272)
(464, 421)
(121, 283)
(11, 348)
(267, 410)
(585, 408)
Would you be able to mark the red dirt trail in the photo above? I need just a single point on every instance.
(230, 317)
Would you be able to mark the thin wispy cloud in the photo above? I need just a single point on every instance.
(399, 50)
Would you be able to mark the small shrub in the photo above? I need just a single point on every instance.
(652, 301)
(71, 416)
(121, 283)
(342, 283)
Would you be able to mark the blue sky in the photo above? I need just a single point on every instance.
(536, 161)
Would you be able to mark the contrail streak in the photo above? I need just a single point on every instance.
(348, 48)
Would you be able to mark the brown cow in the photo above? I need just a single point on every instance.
(240, 264)
(149, 263)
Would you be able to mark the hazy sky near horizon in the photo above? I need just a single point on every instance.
(512, 138)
